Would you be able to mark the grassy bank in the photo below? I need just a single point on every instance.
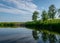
(52, 24)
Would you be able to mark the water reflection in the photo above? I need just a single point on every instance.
(47, 37)
(44, 36)
(26, 35)
(52, 38)
(35, 35)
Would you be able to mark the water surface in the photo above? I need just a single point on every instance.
(25, 35)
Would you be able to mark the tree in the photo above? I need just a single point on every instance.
(59, 12)
(44, 15)
(52, 11)
(35, 15)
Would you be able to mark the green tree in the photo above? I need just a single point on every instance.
(44, 15)
(35, 15)
(59, 12)
(52, 11)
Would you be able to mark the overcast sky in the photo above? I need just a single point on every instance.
(21, 10)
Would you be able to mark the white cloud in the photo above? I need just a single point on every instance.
(17, 6)
(4, 6)
(13, 11)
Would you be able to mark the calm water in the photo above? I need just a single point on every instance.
(25, 35)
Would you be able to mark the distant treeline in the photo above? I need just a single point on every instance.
(11, 24)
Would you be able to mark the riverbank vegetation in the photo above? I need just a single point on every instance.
(48, 24)
(48, 20)
(11, 24)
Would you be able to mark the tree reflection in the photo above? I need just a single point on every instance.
(35, 35)
(59, 40)
(52, 38)
(44, 36)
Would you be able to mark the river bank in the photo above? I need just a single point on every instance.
(53, 24)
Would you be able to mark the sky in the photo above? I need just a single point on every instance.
(21, 10)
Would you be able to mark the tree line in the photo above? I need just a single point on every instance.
(48, 20)
(50, 14)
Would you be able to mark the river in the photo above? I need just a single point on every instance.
(26, 35)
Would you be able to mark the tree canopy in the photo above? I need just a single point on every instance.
(52, 11)
(44, 15)
(35, 15)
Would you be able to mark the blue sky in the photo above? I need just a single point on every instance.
(21, 10)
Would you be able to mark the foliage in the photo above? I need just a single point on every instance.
(52, 11)
(35, 16)
(44, 15)
(10, 24)
(47, 24)
(59, 12)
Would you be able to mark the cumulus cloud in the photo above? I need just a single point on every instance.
(17, 6)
